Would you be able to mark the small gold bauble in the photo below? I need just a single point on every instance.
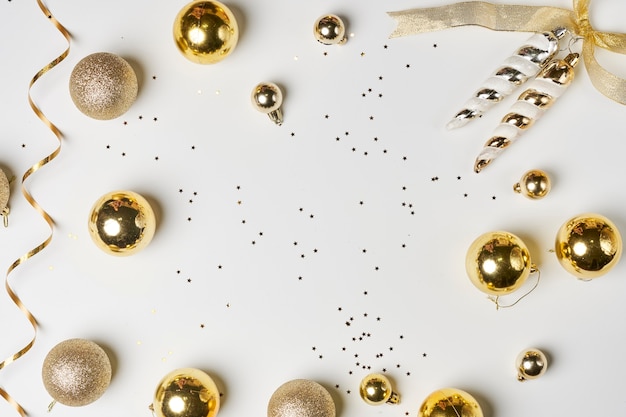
(531, 364)
(186, 392)
(534, 184)
(103, 86)
(498, 263)
(205, 32)
(122, 223)
(301, 398)
(76, 372)
(376, 389)
(267, 98)
(588, 246)
(330, 30)
(450, 402)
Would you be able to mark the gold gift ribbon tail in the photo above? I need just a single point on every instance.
(3, 393)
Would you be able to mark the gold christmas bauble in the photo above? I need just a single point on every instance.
(531, 363)
(186, 392)
(450, 402)
(103, 86)
(376, 389)
(205, 32)
(498, 263)
(301, 398)
(534, 184)
(76, 372)
(122, 223)
(330, 30)
(588, 246)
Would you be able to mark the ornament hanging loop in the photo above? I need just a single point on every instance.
(51, 405)
(496, 299)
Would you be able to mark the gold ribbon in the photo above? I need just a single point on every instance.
(518, 18)
(4, 394)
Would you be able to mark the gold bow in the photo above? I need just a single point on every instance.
(524, 19)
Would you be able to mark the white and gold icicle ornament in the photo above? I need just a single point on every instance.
(540, 94)
(527, 61)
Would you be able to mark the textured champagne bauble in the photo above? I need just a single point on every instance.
(205, 32)
(588, 246)
(122, 223)
(186, 392)
(450, 402)
(4, 195)
(301, 398)
(76, 372)
(103, 86)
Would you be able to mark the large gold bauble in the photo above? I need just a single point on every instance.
(450, 402)
(103, 86)
(76, 372)
(186, 392)
(498, 263)
(301, 398)
(588, 246)
(122, 223)
(205, 32)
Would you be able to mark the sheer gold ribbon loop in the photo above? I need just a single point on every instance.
(518, 18)
(16, 300)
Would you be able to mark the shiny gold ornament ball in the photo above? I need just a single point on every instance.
(301, 398)
(205, 32)
(534, 184)
(76, 372)
(588, 246)
(122, 223)
(498, 263)
(330, 30)
(531, 364)
(103, 86)
(186, 392)
(376, 389)
(450, 402)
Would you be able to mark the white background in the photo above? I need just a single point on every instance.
(299, 229)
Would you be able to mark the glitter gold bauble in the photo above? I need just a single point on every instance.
(450, 402)
(498, 263)
(186, 392)
(588, 246)
(534, 184)
(531, 363)
(301, 398)
(76, 372)
(103, 86)
(376, 389)
(330, 30)
(122, 223)
(205, 32)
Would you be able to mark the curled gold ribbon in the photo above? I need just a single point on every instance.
(4, 394)
(518, 18)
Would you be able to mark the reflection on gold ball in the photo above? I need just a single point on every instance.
(122, 223)
(301, 398)
(498, 263)
(588, 246)
(205, 31)
(450, 402)
(186, 392)
(76, 372)
(103, 86)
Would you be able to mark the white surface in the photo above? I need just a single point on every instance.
(382, 225)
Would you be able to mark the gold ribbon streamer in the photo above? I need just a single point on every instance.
(517, 18)
(35, 205)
